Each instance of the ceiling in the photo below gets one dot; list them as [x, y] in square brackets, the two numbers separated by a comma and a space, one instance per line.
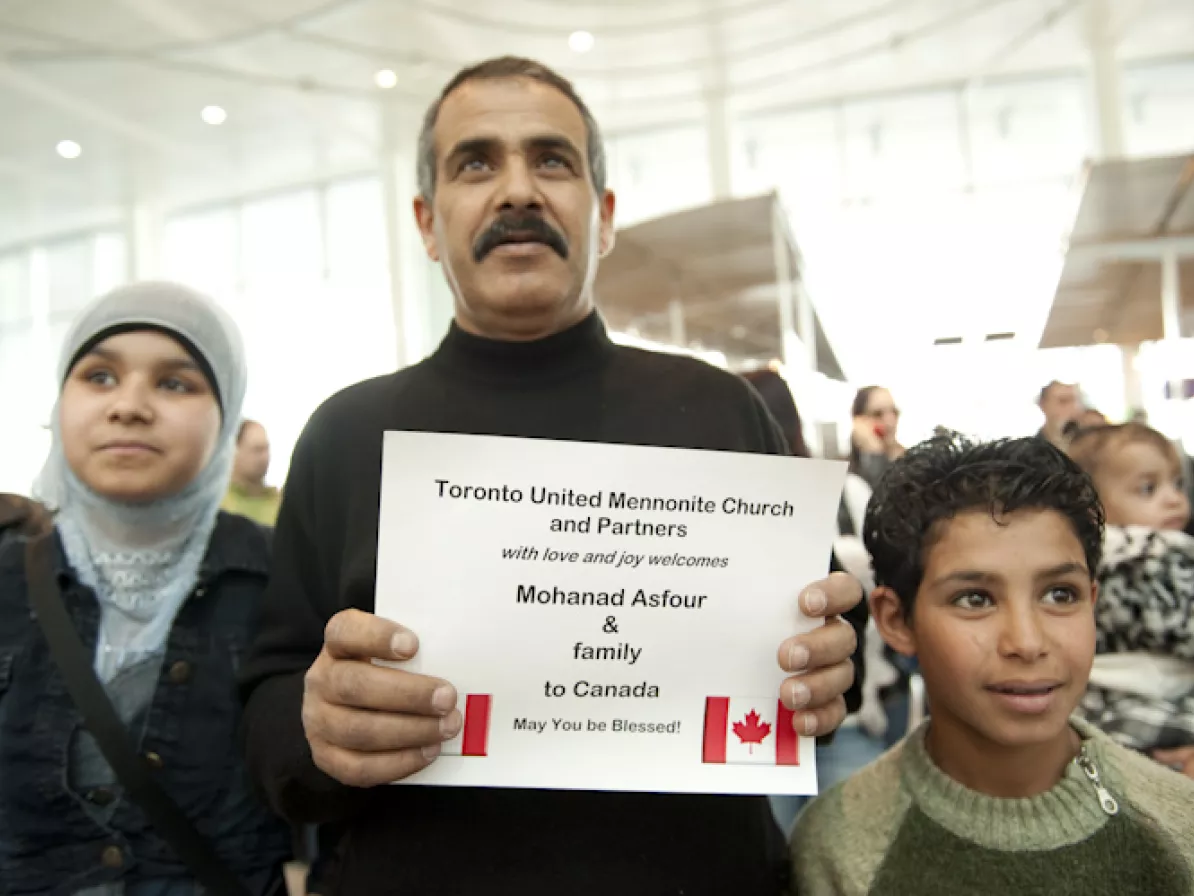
[126, 78]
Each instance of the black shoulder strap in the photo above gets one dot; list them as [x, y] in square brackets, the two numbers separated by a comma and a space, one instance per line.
[101, 719]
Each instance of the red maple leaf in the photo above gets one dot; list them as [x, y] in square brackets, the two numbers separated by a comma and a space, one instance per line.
[751, 731]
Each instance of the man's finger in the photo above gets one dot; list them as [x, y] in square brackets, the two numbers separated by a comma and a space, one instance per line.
[363, 685]
[371, 769]
[827, 645]
[817, 689]
[352, 634]
[360, 731]
[820, 722]
[833, 596]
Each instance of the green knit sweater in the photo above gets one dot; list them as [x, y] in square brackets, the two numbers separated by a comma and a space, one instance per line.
[901, 827]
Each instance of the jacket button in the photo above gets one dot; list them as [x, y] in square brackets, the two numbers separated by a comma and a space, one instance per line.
[100, 796]
[112, 857]
[180, 672]
[155, 761]
[199, 592]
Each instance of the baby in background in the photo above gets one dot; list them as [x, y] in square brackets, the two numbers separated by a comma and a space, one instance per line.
[984, 558]
[1142, 684]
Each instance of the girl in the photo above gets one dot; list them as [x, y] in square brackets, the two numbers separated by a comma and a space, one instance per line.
[1142, 685]
[161, 589]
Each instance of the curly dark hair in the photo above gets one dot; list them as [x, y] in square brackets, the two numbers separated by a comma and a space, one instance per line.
[950, 474]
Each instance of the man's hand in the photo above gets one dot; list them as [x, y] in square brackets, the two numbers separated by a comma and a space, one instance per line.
[1180, 758]
[368, 724]
[820, 660]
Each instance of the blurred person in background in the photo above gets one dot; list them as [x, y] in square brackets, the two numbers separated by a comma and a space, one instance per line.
[776, 394]
[1142, 685]
[873, 442]
[513, 204]
[247, 493]
[158, 594]
[1061, 403]
[860, 740]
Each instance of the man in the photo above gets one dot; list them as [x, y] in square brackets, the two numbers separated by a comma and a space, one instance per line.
[248, 494]
[513, 205]
[1061, 403]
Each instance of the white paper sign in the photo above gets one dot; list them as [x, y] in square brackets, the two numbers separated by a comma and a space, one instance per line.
[610, 615]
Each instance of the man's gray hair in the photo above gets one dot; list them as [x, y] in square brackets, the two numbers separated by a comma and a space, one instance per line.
[496, 69]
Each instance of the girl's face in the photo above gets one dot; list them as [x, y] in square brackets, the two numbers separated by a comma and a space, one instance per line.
[1140, 485]
[139, 420]
[883, 414]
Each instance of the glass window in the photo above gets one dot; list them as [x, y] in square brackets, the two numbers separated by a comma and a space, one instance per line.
[70, 266]
[14, 288]
[201, 250]
[659, 172]
[356, 232]
[902, 146]
[1159, 109]
[281, 239]
[1028, 132]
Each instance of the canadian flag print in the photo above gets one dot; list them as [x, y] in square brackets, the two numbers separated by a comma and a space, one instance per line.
[749, 731]
[473, 739]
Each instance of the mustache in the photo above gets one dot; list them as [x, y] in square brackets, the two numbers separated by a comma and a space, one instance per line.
[525, 226]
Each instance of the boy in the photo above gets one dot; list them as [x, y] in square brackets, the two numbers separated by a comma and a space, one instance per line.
[1142, 685]
[983, 558]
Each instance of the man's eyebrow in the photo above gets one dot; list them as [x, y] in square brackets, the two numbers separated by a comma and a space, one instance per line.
[472, 146]
[488, 145]
[552, 141]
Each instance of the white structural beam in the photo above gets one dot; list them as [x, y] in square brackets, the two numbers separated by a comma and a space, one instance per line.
[1153, 249]
[785, 292]
[717, 139]
[1105, 88]
[144, 232]
[717, 117]
[1171, 321]
[408, 266]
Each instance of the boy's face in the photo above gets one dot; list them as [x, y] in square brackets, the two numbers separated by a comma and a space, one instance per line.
[1140, 485]
[1003, 627]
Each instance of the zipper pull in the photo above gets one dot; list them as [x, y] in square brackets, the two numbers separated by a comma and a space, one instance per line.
[1106, 800]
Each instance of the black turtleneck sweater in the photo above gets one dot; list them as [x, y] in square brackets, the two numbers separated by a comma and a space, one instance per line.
[576, 385]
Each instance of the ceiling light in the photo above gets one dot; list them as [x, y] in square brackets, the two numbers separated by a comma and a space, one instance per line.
[385, 79]
[69, 149]
[214, 114]
[581, 41]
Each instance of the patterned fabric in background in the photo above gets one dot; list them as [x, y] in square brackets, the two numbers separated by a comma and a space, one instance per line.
[1142, 686]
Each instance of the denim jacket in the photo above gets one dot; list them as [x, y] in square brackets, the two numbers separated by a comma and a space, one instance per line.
[60, 834]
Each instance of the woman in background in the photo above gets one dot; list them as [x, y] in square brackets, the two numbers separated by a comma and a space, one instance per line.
[873, 443]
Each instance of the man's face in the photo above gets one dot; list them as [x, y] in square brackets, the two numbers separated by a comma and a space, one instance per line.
[1003, 627]
[1060, 405]
[515, 220]
[252, 454]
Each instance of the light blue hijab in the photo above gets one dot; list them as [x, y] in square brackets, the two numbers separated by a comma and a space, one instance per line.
[142, 560]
